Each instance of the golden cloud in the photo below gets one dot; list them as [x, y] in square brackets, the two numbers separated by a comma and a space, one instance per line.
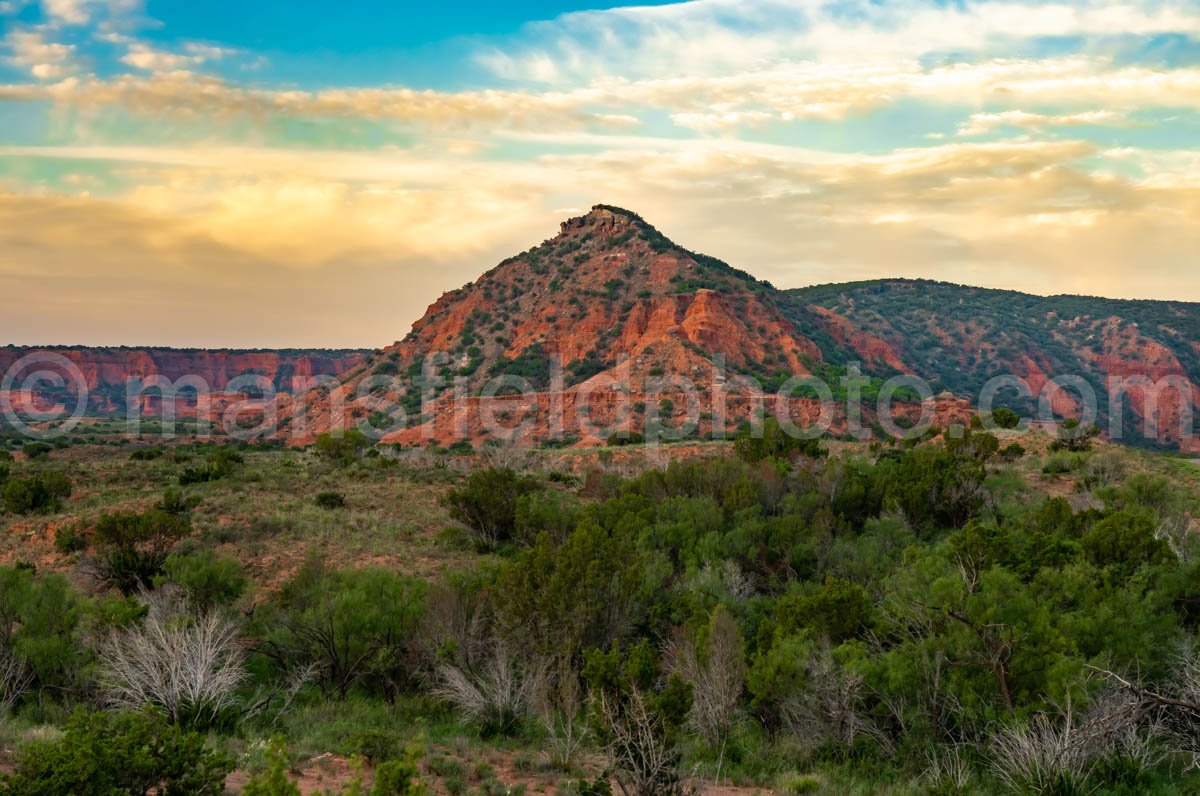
[239, 227]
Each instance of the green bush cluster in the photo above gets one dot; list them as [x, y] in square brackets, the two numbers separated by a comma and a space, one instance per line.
[329, 499]
[351, 626]
[342, 448]
[39, 493]
[488, 503]
[101, 755]
[132, 547]
[210, 581]
[218, 465]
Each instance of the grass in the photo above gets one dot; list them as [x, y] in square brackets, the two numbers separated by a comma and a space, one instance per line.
[264, 513]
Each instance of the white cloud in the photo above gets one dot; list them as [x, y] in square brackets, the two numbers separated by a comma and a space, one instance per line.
[1082, 90]
[45, 60]
[72, 12]
[709, 37]
[208, 52]
[141, 56]
[82, 12]
[175, 94]
[985, 123]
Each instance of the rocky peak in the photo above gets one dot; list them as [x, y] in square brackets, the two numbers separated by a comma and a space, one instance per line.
[612, 299]
[602, 218]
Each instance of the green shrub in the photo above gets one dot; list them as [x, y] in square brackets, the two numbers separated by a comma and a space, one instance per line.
[839, 610]
[36, 450]
[69, 539]
[199, 475]
[442, 766]
[342, 448]
[330, 500]
[398, 778]
[103, 755]
[774, 443]
[640, 716]
[1012, 453]
[460, 447]
[1072, 436]
[146, 454]
[40, 618]
[376, 746]
[1059, 465]
[583, 593]
[176, 503]
[532, 364]
[41, 493]
[944, 487]
[132, 547]
[625, 438]
[1005, 418]
[487, 504]
[274, 781]
[210, 581]
[1125, 541]
[219, 465]
[353, 624]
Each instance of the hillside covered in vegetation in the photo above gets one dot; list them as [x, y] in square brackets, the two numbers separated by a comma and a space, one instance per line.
[974, 615]
[957, 338]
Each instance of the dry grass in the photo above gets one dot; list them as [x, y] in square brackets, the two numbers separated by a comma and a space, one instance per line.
[264, 514]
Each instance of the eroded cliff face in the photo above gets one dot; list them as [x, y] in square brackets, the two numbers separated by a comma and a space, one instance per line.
[108, 372]
[608, 286]
[1140, 358]
[875, 352]
[607, 306]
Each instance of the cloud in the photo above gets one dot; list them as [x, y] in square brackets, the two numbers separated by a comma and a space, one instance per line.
[708, 37]
[782, 94]
[45, 60]
[984, 123]
[310, 209]
[140, 56]
[187, 95]
[150, 59]
[209, 52]
[72, 12]
[1019, 214]
[113, 273]
[82, 12]
[837, 90]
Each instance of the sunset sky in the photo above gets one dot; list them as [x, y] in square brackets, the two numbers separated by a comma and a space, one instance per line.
[270, 173]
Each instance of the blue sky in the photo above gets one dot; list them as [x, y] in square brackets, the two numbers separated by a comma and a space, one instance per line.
[299, 174]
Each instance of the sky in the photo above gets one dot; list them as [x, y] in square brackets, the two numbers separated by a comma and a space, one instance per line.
[302, 174]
